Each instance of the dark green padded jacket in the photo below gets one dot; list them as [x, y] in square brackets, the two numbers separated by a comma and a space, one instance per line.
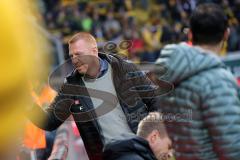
[202, 113]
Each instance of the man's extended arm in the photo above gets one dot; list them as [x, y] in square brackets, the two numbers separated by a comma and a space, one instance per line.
[53, 116]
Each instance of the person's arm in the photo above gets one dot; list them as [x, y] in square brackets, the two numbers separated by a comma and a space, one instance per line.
[221, 114]
[53, 116]
[61, 143]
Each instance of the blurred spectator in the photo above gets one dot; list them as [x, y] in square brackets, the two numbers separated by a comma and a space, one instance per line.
[137, 47]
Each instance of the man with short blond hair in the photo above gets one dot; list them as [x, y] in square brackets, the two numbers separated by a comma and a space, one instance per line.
[97, 93]
[83, 36]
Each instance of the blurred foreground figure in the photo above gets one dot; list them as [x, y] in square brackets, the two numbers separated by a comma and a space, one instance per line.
[204, 86]
[21, 48]
[151, 142]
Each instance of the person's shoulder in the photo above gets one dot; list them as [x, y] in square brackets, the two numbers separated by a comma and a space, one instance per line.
[222, 75]
[119, 58]
[216, 81]
[123, 63]
[133, 144]
[117, 148]
[126, 143]
[171, 51]
[178, 46]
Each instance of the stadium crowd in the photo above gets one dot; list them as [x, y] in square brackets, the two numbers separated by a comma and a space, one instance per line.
[148, 24]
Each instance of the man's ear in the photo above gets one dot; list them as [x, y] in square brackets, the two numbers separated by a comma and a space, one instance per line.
[226, 34]
[190, 35]
[153, 136]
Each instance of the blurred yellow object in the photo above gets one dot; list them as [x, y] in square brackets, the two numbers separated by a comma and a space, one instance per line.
[22, 59]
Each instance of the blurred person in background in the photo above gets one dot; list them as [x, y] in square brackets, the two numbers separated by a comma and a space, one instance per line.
[61, 144]
[204, 86]
[151, 142]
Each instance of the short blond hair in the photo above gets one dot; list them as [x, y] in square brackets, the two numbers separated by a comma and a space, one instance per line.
[153, 121]
[83, 36]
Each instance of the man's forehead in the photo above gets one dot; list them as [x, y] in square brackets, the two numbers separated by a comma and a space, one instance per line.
[80, 46]
[79, 43]
[77, 47]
